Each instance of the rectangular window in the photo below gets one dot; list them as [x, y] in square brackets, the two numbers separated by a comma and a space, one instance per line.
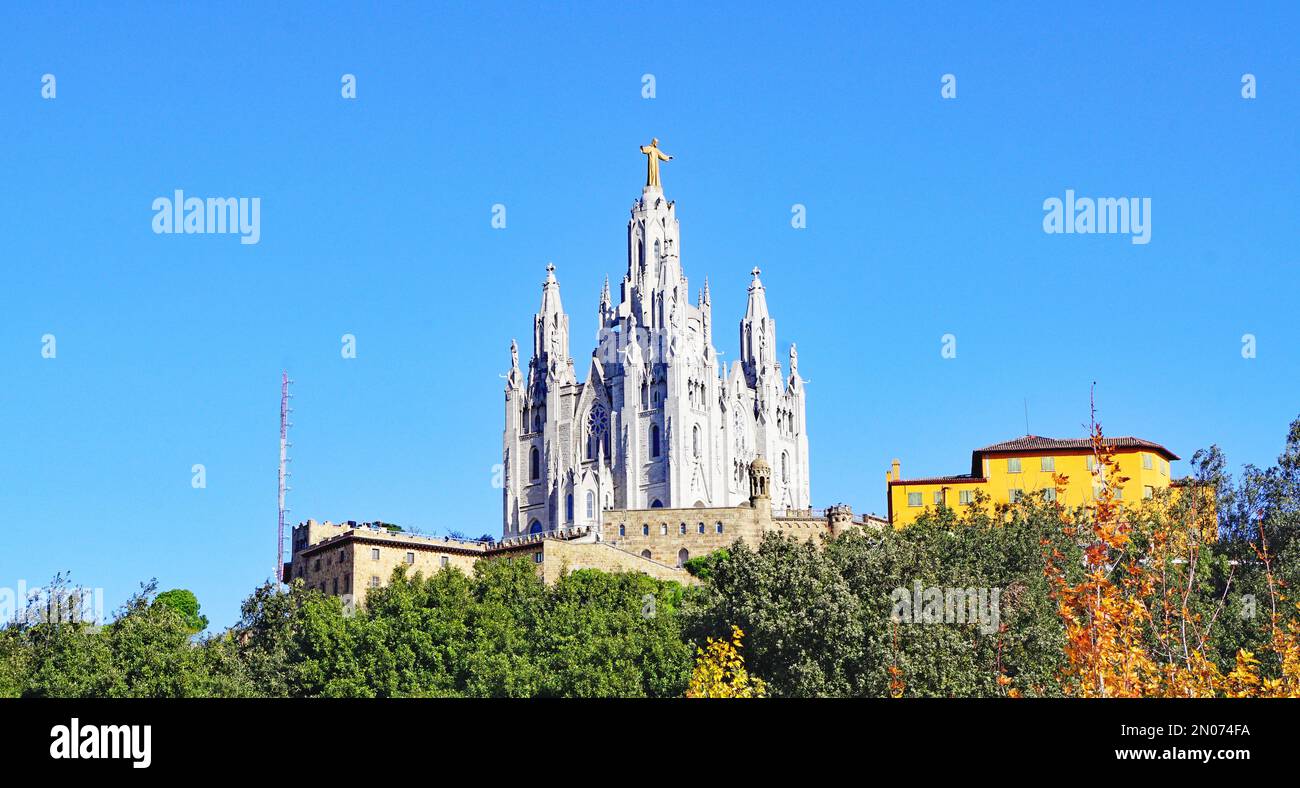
[1146, 461]
[1092, 463]
[1164, 468]
[1047, 464]
[347, 583]
[1049, 494]
[1119, 493]
[913, 499]
[374, 581]
[1013, 495]
[537, 557]
[374, 553]
[1013, 465]
[938, 497]
[410, 558]
[444, 561]
[1148, 491]
[336, 585]
[966, 497]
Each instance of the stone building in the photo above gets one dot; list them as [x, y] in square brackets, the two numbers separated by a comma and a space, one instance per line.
[349, 559]
[659, 420]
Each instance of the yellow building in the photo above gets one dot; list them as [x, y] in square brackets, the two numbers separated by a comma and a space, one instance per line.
[1025, 466]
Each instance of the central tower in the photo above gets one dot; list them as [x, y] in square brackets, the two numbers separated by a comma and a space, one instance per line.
[657, 422]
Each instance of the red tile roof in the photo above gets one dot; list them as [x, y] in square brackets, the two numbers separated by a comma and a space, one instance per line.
[1039, 443]
[967, 478]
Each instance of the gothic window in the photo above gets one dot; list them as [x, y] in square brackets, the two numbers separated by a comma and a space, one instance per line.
[597, 430]
[701, 527]
[658, 249]
[591, 506]
[535, 528]
[683, 555]
[785, 467]
[695, 439]
[658, 504]
[534, 465]
[568, 508]
[654, 440]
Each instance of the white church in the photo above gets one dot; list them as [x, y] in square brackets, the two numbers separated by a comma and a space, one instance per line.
[658, 421]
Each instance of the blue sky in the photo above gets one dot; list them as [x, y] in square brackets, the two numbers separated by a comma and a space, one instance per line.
[924, 218]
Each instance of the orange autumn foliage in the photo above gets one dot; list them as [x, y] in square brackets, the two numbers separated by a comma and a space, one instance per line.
[1129, 629]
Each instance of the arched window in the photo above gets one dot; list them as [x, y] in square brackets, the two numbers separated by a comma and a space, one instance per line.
[535, 528]
[591, 505]
[568, 508]
[654, 440]
[683, 555]
[622, 529]
[663, 529]
[645, 554]
[719, 527]
[695, 439]
[785, 467]
[597, 430]
[682, 529]
[701, 527]
[645, 529]
[534, 465]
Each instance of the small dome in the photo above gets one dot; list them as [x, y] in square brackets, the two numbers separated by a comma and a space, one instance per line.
[759, 464]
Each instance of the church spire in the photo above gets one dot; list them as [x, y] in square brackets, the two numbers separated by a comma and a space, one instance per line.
[551, 324]
[757, 333]
[757, 306]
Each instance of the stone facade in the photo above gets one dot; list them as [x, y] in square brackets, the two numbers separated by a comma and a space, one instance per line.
[348, 559]
[660, 421]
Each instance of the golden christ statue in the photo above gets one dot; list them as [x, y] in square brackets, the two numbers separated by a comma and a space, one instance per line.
[652, 158]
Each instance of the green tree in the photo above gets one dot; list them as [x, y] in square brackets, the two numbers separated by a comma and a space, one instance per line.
[186, 604]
